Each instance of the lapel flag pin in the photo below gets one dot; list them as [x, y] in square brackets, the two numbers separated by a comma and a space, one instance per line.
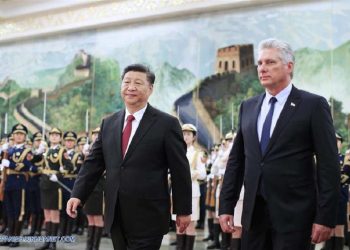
[292, 104]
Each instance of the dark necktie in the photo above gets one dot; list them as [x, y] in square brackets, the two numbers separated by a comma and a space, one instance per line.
[265, 135]
[127, 133]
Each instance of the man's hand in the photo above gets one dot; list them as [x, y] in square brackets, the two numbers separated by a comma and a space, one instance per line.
[320, 233]
[72, 206]
[182, 222]
[226, 223]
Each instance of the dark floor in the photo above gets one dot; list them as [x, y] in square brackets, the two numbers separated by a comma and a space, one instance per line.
[106, 243]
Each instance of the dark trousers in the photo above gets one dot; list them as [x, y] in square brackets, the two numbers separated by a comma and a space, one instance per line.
[34, 206]
[14, 207]
[203, 191]
[124, 241]
[262, 236]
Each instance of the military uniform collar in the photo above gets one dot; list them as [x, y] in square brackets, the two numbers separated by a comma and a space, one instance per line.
[69, 151]
[55, 147]
[17, 146]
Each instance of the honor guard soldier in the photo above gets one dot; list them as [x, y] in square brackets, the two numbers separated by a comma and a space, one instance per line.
[218, 170]
[83, 148]
[214, 172]
[203, 191]
[36, 213]
[11, 140]
[16, 168]
[185, 240]
[3, 217]
[210, 196]
[57, 162]
[70, 139]
[336, 242]
[221, 163]
[94, 209]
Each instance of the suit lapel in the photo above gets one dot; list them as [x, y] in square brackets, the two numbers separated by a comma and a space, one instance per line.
[287, 112]
[255, 117]
[145, 124]
[117, 134]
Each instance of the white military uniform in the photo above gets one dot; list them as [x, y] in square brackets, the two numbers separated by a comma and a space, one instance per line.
[198, 172]
[220, 167]
[219, 170]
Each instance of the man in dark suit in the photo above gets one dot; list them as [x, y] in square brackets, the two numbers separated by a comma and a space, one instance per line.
[137, 146]
[290, 199]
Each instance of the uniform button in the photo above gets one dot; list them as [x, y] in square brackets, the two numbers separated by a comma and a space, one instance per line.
[261, 164]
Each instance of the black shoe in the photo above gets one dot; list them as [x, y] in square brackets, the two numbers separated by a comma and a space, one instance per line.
[80, 231]
[174, 243]
[214, 246]
[52, 246]
[3, 229]
[209, 238]
[14, 244]
[216, 243]
[210, 230]
[44, 247]
[105, 235]
[200, 226]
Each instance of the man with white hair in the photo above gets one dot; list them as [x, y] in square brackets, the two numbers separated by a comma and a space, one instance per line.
[290, 199]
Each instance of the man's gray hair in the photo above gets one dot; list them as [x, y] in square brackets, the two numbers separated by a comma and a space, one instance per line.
[286, 52]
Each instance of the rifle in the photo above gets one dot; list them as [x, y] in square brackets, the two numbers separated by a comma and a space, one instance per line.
[3, 177]
[4, 172]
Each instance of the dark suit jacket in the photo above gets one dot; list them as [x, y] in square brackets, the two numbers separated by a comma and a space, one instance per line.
[139, 181]
[294, 198]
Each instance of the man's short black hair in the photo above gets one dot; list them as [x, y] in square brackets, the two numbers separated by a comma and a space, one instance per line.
[140, 68]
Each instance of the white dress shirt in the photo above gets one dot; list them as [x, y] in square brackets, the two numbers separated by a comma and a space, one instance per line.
[265, 107]
[135, 123]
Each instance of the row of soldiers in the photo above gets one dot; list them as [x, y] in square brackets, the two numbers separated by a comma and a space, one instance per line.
[209, 171]
[216, 169]
[37, 179]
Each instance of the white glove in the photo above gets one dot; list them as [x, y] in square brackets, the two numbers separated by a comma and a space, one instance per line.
[41, 149]
[61, 169]
[5, 163]
[53, 178]
[86, 149]
[5, 146]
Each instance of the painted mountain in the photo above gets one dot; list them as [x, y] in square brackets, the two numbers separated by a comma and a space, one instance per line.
[325, 72]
